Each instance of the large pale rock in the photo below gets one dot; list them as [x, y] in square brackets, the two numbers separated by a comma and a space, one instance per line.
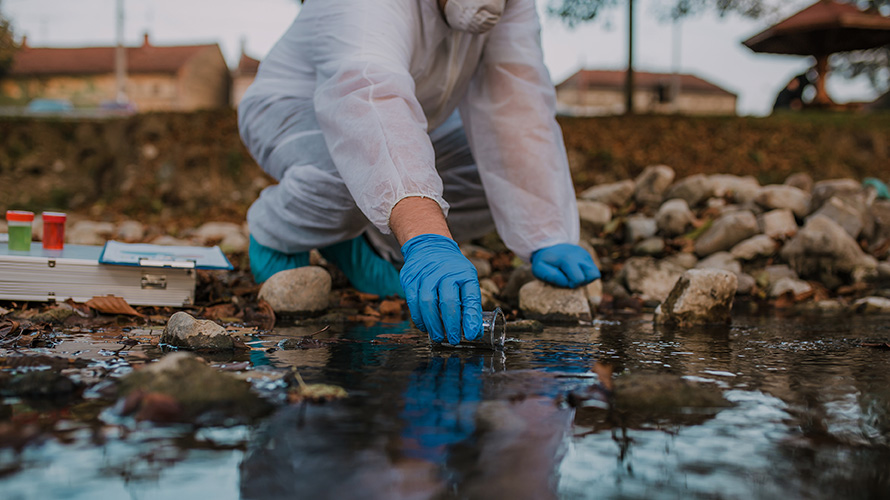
[674, 217]
[754, 248]
[130, 231]
[825, 190]
[822, 248]
[87, 232]
[616, 194]
[789, 285]
[778, 224]
[849, 215]
[720, 260]
[725, 232]
[700, 297]
[594, 215]
[215, 232]
[301, 290]
[800, 180]
[871, 305]
[544, 302]
[693, 189]
[651, 184]
[777, 196]
[650, 278]
[733, 187]
[185, 331]
[639, 227]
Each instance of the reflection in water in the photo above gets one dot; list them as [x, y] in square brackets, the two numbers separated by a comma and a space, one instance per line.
[810, 418]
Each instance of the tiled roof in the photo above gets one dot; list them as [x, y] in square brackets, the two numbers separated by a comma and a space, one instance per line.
[606, 79]
[247, 65]
[33, 61]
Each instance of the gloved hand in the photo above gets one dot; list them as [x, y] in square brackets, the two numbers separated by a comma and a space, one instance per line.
[441, 288]
[565, 265]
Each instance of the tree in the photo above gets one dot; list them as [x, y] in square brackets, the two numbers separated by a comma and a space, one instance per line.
[8, 46]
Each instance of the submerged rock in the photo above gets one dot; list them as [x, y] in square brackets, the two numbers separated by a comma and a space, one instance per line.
[651, 184]
[701, 296]
[661, 392]
[185, 331]
[544, 302]
[180, 388]
[36, 384]
[871, 305]
[301, 290]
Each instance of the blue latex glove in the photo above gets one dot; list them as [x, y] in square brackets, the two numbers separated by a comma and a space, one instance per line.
[441, 288]
[565, 265]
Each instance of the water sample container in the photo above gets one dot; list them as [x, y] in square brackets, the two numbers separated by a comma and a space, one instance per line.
[19, 222]
[494, 331]
[53, 230]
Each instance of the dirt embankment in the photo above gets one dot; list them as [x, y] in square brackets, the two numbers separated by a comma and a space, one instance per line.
[193, 165]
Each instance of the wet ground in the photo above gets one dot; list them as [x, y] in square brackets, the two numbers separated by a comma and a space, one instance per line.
[804, 413]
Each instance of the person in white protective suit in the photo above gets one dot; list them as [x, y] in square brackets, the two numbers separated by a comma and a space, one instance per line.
[395, 128]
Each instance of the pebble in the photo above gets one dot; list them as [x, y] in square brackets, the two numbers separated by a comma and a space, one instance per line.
[186, 332]
[301, 290]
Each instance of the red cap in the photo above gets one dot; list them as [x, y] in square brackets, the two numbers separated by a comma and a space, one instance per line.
[19, 216]
[54, 217]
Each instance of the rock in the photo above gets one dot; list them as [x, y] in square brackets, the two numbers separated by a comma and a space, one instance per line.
[884, 272]
[651, 184]
[594, 215]
[800, 180]
[301, 290]
[789, 285]
[524, 325]
[594, 293]
[825, 190]
[720, 260]
[650, 246]
[778, 224]
[234, 243]
[616, 194]
[746, 284]
[483, 266]
[519, 277]
[725, 232]
[179, 388]
[490, 292]
[211, 233]
[777, 196]
[693, 189]
[638, 227]
[755, 247]
[130, 231]
[87, 232]
[185, 331]
[685, 260]
[674, 217]
[37, 384]
[820, 307]
[850, 216]
[700, 297]
[769, 275]
[733, 187]
[540, 301]
[880, 212]
[657, 393]
[650, 278]
[871, 305]
[822, 248]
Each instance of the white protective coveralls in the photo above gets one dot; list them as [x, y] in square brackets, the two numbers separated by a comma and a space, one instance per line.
[341, 111]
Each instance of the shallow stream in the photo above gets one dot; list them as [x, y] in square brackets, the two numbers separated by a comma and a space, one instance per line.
[809, 417]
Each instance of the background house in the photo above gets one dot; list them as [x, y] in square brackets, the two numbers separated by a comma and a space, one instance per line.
[243, 76]
[169, 78]
[600, 92]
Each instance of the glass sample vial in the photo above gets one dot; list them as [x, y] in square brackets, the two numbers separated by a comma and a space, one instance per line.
[494, 331]
[19, 222]
[53, 230]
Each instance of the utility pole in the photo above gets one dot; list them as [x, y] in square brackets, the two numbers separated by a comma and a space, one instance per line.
[120, 57]
[629, 81]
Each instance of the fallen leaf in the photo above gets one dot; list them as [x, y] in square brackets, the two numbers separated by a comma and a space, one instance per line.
[876, 345]
[111, 304]
[8, 326]
[314, 393]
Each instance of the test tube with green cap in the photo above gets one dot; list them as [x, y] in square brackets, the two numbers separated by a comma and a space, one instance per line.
[19, 222]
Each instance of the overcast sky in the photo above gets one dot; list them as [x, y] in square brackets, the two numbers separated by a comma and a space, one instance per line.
[710, 47]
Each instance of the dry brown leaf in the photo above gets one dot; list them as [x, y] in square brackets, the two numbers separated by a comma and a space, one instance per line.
[111, 304]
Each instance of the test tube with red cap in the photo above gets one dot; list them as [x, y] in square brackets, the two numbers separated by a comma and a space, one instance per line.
[54, 230]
